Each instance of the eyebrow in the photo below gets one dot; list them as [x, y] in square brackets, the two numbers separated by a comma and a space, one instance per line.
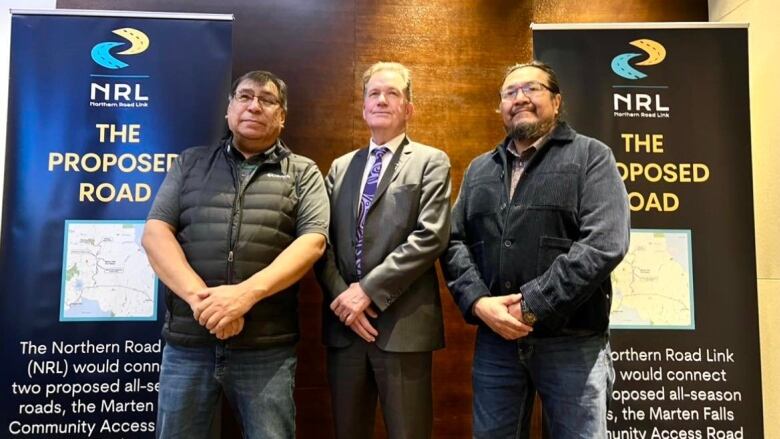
[388, 88]
[519, 84]
[251, 90]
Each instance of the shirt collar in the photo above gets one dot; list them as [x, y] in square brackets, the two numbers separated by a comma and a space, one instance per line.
[392, 144]
[561, 133]
[528, 152]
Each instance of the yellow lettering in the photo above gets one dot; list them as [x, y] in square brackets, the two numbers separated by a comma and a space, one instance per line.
[668, 172]
[107, 192]
[666, 202]
[55, 158]
[649, 143]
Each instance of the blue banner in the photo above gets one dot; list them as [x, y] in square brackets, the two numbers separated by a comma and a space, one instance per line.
[98, 109]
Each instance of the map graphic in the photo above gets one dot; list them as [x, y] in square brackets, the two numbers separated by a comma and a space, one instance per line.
[105, 273]
[653, 286]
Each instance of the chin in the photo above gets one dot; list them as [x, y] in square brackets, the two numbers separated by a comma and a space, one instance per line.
[253, 134]
[525, 118]
[528, 129]
[381, 126]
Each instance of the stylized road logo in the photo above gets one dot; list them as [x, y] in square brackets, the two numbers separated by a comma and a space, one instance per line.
[101, 53]
[655, 54]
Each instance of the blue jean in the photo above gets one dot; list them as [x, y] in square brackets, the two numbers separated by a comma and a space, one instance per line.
[258, 383]
[573, 375]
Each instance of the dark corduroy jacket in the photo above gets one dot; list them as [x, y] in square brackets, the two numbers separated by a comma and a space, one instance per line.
[556, 241]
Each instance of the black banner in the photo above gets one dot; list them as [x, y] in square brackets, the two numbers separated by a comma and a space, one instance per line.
[673, 105]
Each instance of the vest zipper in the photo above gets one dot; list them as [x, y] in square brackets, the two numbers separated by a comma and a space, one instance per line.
[231, 243]
[238, 201]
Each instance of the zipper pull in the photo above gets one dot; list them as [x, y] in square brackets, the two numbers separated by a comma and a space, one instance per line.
[230, 256]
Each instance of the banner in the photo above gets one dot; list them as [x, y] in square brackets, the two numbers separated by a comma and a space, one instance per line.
[672, 102]
[99, 107]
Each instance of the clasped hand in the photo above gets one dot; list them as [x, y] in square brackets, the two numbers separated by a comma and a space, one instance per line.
[503, 315]
[221, 309]
[351, 307]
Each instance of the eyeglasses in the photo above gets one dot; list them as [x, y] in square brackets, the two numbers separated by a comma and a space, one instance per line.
[531, 90]
[246, 98]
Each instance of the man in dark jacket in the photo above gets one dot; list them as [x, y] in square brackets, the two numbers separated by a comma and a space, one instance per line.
[539, 224]
[231, 231]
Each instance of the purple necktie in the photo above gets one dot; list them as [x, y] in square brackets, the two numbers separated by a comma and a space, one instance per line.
[365, 202]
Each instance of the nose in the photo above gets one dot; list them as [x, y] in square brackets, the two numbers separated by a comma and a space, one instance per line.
[255, 105]
[520, 96]
[382, 98]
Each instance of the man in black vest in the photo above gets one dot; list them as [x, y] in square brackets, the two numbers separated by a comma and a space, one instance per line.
[232, 230]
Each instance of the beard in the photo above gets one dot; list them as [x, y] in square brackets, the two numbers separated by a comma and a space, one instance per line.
[523, 131]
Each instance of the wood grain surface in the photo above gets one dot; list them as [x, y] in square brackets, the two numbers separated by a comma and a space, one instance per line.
[457, 51]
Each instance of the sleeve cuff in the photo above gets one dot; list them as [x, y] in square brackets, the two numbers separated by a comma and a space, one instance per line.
[466, 304]
[538, 304]
[381, 297]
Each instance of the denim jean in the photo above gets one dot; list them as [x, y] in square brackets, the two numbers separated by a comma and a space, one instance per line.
[258, 383]
[572, 374]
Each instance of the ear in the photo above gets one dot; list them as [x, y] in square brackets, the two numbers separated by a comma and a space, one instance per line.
[282, 117]
[409, 110]
[557, 100]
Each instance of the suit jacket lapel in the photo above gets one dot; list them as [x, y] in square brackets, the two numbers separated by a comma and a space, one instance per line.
[393, 169]
[351, 185]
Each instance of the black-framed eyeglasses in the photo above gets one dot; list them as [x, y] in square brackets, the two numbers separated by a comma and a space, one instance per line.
[246, 98]
[531, 90]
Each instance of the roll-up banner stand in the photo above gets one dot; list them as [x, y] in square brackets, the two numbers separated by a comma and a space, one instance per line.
[671, 99]
[100, 103]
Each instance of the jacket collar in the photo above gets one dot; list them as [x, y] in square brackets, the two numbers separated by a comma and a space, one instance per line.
[357, 166]
[562, 133]
[274, 154]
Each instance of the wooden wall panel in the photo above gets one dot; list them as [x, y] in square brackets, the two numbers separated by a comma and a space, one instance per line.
[458, 51]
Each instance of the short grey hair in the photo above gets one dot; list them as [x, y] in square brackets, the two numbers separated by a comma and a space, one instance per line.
[402, 70]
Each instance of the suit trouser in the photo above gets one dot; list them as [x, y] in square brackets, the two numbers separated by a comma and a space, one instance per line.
[358, 373]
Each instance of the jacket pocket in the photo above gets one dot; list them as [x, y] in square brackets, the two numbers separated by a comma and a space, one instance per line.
[552, 190]
[403, 205]
[550, 247]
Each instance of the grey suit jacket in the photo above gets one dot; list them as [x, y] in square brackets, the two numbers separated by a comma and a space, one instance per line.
[407, 228]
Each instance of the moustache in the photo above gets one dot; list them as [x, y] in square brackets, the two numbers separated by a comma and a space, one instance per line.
[515, 111]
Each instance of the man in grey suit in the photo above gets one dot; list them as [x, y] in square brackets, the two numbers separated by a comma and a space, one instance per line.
[382, 312]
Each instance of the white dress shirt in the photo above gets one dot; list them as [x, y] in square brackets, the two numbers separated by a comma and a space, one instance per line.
[392, 145]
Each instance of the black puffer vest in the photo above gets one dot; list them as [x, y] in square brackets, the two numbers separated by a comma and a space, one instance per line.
[211, 198]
